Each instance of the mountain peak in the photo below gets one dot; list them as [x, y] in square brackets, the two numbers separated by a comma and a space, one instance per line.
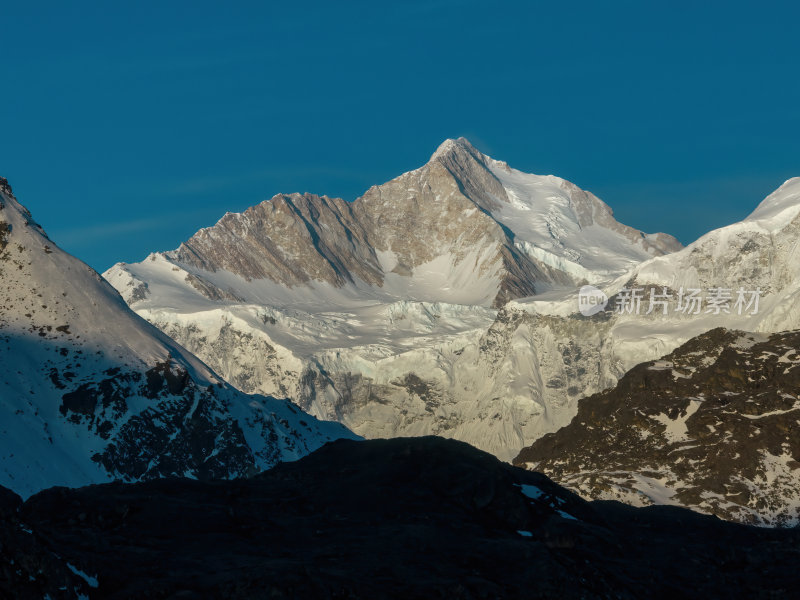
[451, 145]
[780, 207]
[462, 228]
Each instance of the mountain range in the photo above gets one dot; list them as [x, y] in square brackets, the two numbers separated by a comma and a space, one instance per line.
[385, 313]
[443, 302]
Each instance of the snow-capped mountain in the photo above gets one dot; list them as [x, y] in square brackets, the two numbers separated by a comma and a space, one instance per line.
[89, 391]
[712, 426]
[462, 229]
[381, 313]
[762, 252]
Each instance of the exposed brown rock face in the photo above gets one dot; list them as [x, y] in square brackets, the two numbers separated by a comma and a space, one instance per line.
[290, 239]
[712, 426]
[443, 208]
[296, 238]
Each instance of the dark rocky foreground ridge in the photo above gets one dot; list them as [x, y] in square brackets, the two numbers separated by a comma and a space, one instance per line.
[401, 518]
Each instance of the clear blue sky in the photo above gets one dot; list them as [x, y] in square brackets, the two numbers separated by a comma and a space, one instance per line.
[125, 129]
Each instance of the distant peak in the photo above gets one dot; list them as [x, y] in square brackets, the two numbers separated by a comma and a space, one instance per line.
[781, 206]
[453, 145]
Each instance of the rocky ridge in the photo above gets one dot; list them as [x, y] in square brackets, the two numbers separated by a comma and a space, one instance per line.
[711, 426]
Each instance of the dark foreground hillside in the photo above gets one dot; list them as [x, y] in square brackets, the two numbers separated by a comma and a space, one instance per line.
[403, 518]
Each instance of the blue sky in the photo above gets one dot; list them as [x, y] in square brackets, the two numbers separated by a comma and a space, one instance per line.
[127, 128]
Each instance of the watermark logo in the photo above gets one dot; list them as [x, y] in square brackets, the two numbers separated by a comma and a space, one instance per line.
[591, 300]
[689, 301]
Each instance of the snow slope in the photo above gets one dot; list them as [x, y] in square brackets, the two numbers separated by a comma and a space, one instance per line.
[89, 391]
[570, 229]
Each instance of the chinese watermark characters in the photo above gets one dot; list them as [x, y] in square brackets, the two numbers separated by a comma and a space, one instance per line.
[688, 301]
